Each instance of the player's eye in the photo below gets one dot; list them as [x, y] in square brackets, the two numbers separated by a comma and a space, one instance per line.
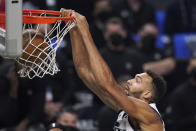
[138, 80]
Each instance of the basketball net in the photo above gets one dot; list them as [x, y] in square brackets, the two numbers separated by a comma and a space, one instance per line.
[53, 38]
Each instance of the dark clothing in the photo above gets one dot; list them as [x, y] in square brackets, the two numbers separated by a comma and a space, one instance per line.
[124, 63]
[8, 111]
[29, 103]
[181, 17]
[106, 118]
[97, 35]
[183, 108]
[31, 99]
[9, 106]
[135, 20]
[152, 56]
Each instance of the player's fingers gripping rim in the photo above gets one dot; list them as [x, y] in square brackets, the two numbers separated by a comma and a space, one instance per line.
[66, 12]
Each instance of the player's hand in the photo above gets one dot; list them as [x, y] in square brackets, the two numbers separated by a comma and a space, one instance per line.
[81, 22]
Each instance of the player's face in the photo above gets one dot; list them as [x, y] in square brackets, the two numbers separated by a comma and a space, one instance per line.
[138, 85]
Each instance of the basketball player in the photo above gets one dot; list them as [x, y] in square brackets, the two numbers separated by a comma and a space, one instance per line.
[133, 99]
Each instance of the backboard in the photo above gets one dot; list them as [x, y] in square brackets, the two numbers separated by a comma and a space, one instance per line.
[10, 28]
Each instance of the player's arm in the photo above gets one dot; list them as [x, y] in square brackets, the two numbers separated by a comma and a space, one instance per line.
[82, 65]
[104, 79]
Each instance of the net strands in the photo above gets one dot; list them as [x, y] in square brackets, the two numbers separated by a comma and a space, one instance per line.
[53, 39]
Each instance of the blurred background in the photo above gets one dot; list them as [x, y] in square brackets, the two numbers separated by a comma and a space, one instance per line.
[133, 36]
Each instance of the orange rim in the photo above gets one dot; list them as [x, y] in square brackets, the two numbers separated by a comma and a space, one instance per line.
[32, 17]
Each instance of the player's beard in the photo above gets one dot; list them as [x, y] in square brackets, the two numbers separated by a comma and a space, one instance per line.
[136, 94]
[125, 87]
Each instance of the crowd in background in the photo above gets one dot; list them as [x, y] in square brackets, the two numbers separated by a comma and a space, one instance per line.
[126, 33]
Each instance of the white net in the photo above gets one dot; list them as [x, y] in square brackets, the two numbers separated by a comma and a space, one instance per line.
[40, 45]
[2, 40]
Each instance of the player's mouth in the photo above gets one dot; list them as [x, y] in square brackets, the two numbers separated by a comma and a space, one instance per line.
[126, 88]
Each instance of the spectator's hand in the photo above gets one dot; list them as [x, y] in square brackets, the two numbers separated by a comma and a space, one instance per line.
[52, 109]
[22, 125]
[162, 67]
[13, 79]
[192, 64]
[12, 76]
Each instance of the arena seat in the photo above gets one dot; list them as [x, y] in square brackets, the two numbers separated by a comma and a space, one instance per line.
[183, 43]
[160, 19]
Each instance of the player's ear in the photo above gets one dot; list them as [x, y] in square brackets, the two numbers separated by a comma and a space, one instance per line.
[147, 95]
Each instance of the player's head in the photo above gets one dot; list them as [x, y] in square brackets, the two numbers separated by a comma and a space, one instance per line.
[67, 117]
[146, 86]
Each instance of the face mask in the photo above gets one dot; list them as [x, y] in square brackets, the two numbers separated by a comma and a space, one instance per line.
[116, 39]
[193, 73]
[148, 43]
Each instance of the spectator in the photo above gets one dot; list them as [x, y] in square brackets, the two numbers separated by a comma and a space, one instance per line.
[102, 11]
[147, 43]
[58, 127]
[180, 17]
[182, 107]
[31, 100]
[117, 54]
[106, 119]
[8, 95]
[67, 117]
[22, 99]
[136, 13]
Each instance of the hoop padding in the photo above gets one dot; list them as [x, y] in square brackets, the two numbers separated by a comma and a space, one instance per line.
[40, 59]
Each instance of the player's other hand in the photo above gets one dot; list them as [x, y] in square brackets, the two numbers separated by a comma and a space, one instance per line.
[81, 22]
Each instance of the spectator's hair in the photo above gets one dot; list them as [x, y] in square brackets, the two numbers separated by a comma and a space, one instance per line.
[96, 1]
[67, 110]
[114, 20]
[159, 86]
[150, 23]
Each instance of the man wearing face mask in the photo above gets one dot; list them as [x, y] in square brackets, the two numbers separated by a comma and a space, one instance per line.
[147, 44]
[182, 106]
[117, 54]
[102, 11]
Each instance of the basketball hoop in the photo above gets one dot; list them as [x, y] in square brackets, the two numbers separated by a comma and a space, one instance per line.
[39, 60]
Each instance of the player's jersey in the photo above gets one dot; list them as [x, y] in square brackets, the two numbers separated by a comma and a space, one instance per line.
[122, 123]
